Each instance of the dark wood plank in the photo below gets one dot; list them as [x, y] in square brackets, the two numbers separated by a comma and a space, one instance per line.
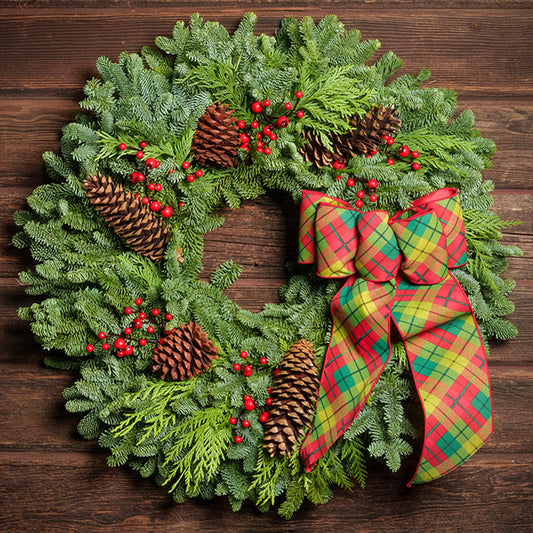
[77, 492]
[32, 125]
[449, 45]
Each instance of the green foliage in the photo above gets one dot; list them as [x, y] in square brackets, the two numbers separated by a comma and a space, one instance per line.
[178, 432]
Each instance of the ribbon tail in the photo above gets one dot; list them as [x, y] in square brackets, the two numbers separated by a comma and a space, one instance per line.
[449, 366]
[358, 352]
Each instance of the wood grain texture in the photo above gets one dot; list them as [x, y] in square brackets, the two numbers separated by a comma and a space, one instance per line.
[51, 479]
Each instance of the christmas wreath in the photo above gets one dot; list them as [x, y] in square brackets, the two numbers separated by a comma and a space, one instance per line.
[177, 380]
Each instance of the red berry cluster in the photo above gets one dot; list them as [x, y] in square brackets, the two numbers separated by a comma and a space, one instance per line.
[249, 404]
[135, 333]
[193, 175]
[404, 151]
[139, 177]
[261, 130]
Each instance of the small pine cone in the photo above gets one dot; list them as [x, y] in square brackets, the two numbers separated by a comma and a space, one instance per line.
[145, 233]
[184, 353]
[216, 139]
[313, 151]
[367, 132]
[294, 396]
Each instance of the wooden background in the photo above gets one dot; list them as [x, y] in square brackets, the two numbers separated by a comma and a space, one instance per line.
[52, 480]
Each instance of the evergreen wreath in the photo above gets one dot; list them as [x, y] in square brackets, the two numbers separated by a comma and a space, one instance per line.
[176, 379]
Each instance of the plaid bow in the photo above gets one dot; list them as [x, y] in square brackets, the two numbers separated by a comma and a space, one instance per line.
[398, 272]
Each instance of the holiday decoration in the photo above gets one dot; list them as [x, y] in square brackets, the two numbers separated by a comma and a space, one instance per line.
[215, 141]
[397, 272]
[145, 233]
[177, 380]
[294, 395]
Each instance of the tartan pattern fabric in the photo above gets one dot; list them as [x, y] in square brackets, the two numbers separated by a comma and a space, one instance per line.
[397, 271]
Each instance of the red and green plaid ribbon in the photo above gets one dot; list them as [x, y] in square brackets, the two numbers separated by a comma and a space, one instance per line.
[398, 272]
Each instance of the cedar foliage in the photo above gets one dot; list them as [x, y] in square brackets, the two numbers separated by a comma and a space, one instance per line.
[86, 275]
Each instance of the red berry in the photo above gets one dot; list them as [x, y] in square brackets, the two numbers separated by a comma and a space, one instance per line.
[338, 178]
[264, 417]
[259, 144]
[122, 146]
[373, 184]
[336, 165]
[105, 346]
[190, 178]
[158, 187]
[273, 136]
[414, 154]
[373, 198]
[139, 154]
[155, 312]
[360, 194]
[138, 301]
[151, 186]
[157, 163]
[89, 347]
[244, 147]
[150, 162]
[374, 151]
[416, 166]
[359, 204]
[249, 405]
[185, 165]
[120, 353]
[288, 106]
[247, 398]
[244, 354]
[267, 150]
[350, 182]
[263, 360]
[266, 103]
[101, 335]
[155, 206]
[269, 390]
[368, 156]
[244, 138]
[137, 195]
[245, 423]
[232, 420]
[142, 316]
[299, 94]
[128, 311]
[166, 211]
[238, 439]
[128, 350]
[150, 329]
[248, 369]
[390, 141]
[282, 122]
[254, 124]
[241, 124]
[269, 401]
[267, 130]
[140, 177]
[236, 367]
[145, 200]
[142, 342]
[135, 177]
[181, 204]
[127, 331]
[390, 162]
[143, 144]
[259, 149]
[199, 173]
[168, 316]
[300, 114]
[258, 136]
[137, 323]
[257, 107]
[119, 343]
[385, 137]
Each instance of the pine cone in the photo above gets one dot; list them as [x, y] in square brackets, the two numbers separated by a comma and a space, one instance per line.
[145, 233]
[294, 395]
[184, 353]
[367, 132]
[313, 151]
[216, 139]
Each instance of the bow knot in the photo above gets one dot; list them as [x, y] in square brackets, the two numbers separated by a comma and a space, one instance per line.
[398, 271]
